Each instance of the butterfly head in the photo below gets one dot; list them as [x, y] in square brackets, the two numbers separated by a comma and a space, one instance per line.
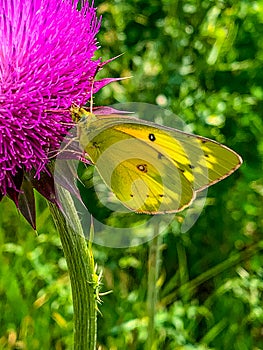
[79, 113]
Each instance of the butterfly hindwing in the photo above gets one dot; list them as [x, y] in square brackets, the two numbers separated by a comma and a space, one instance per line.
[141, 178]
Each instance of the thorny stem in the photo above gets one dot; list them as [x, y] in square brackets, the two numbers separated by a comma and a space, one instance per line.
[82, 274]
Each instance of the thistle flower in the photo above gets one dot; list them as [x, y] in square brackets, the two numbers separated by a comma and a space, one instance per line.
[46, 63]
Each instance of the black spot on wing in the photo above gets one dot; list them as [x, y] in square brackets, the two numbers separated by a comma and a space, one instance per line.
[142, 168]
[95, 145]
[151, 137]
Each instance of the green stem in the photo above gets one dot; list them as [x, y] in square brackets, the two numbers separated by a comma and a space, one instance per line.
[153, 273]
[82, 274]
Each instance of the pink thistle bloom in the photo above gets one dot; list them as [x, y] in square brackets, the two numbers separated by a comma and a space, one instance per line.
[46, 63]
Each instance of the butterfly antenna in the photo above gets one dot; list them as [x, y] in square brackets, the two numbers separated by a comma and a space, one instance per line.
[91, 95]
[92, 86]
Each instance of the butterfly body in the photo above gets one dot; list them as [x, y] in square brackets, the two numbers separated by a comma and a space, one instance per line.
[151, 168]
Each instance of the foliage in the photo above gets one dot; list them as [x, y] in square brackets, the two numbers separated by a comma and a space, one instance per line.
[202, 60]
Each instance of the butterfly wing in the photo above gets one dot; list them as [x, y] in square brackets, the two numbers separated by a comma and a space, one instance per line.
[202, 161]
[152, 168]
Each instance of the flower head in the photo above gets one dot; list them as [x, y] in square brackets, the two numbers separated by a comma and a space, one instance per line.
[46, 63]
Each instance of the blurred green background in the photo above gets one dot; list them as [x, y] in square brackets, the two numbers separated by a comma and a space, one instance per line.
[203, 61]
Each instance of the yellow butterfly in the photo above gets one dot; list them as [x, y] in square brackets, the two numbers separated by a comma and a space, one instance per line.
[150, 168]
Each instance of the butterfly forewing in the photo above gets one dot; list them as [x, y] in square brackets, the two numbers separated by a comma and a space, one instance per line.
[152, 168]
[202, 161]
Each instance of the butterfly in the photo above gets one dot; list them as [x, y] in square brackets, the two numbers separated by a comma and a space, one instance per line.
[150, 168]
